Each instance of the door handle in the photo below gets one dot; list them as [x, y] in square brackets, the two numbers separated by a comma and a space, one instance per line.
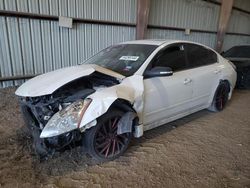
[187, 81]
[217, 71]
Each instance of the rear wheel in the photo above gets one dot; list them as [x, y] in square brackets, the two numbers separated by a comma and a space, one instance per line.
[102, 141]
[220, 97]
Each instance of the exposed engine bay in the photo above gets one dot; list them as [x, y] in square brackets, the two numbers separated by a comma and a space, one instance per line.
[39, 110]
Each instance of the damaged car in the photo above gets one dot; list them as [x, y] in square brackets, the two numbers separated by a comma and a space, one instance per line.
[121, 92]
[240, 56]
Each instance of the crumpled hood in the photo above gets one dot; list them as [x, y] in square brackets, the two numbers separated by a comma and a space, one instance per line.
[47, 83]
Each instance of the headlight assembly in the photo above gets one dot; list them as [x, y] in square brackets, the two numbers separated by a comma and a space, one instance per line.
[66, 120]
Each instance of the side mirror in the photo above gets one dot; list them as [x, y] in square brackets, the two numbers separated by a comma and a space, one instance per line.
[158, 72]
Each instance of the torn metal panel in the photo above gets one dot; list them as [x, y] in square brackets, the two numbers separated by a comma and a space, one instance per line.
[131, 90]
[105, 71]
[126, 122]
[138, 132]
[136, 82]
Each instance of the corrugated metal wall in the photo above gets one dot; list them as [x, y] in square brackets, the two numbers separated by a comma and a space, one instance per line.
[184, 13]
[30, 46]
[232, 40]
[200, 15]
[190, 14]
[208, 39]
[242, 4]
[239, 23]
[112, 10]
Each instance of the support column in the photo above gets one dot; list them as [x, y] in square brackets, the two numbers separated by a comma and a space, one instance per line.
[225, 13]
[142, 18]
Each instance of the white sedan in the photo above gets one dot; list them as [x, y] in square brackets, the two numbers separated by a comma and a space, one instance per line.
[121, 92]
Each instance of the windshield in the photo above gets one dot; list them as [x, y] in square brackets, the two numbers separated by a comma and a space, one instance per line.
[238, 51]
[124, 58]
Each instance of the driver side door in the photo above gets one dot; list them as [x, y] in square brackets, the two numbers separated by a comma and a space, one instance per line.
[167, 97]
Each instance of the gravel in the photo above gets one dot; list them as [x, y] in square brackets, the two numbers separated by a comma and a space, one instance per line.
[202, 150]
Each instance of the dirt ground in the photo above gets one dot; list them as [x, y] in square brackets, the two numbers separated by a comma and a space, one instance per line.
[202, 150]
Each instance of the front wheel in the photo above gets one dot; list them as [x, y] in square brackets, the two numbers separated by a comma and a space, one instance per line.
[220, 97]
[102, 141]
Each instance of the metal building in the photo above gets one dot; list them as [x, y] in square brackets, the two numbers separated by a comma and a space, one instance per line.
[32, 42]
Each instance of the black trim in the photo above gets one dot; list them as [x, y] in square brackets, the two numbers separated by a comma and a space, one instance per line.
[241, 10]
[192, 30]
[239, 34]
[179, 29]
[56, 18]
[212, 2]
[219, 4]
[10, 78]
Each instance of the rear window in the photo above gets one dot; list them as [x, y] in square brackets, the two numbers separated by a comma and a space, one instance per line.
[199, 56]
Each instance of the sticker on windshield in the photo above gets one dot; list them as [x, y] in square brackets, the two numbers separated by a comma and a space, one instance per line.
[129, 58]
[127, 68]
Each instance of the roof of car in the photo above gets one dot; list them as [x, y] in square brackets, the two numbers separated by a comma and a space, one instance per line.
[157, 42]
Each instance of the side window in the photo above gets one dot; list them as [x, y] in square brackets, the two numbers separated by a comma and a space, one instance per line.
[199, 56]
[173, 57]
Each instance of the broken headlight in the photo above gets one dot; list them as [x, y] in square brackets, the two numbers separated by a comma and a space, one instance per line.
[66, 120]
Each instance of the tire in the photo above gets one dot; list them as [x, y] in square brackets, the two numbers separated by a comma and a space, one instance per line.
[220, 97]
[243, 79]
[102, 142]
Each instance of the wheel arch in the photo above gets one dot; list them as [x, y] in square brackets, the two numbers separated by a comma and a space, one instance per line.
[130, 118]
[123, 105]
[212, 107]
[127, 96]
[229, 85]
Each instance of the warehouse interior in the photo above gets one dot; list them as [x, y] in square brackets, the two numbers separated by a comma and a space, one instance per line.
[201, 150]
[32, 41]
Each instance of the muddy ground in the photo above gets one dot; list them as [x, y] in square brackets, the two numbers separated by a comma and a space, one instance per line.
[202, 150]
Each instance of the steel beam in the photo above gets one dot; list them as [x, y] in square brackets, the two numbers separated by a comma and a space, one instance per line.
[142, 18]
[225, 13]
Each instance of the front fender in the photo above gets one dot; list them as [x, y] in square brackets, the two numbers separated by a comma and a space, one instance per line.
[131, 90]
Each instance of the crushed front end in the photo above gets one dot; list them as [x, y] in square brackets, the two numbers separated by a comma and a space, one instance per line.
[53, 119]
[37, 112]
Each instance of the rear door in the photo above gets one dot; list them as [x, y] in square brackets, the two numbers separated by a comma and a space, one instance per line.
[205, 73]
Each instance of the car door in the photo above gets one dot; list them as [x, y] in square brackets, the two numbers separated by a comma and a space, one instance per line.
[205, 74]
[167, 97]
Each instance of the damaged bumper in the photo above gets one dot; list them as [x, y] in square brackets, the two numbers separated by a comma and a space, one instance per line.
[45, 146]
[57, 120]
